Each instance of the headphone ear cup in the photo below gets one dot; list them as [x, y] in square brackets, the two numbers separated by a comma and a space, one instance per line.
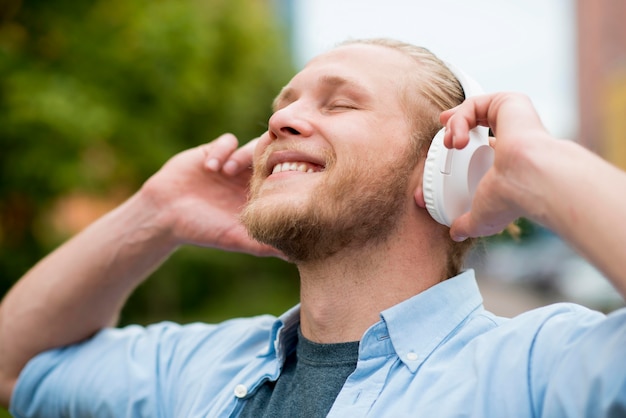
[452, 175]
[431, 176]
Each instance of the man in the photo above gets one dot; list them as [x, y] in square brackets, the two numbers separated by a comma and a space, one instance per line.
[382, 329]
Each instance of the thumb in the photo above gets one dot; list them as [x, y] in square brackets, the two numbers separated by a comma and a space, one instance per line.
[461, 227]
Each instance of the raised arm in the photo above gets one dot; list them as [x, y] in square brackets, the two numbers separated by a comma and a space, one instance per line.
[556, 183]
[81, 287]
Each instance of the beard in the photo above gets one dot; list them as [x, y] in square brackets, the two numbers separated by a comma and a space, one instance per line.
[353, 207]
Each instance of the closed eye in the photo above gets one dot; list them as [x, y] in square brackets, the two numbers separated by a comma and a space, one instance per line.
[342, 105]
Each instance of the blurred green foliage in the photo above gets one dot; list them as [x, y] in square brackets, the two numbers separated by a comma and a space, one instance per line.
[95, 95]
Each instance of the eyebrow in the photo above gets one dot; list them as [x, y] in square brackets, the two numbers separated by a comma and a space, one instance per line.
[287, 94]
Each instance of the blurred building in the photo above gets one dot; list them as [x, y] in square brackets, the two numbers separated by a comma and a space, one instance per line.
[544, 269]
[602, 77]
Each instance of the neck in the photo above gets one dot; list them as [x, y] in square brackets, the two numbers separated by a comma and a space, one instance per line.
[343, 296]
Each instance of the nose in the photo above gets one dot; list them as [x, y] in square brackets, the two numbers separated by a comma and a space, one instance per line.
[291, 121]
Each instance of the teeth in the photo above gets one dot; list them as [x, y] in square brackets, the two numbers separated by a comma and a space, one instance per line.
[293, 166]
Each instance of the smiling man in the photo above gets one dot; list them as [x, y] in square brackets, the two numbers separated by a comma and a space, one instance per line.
[388, 324]
[323, 151]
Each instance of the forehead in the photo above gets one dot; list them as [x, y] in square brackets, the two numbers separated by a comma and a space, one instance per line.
[376, 68]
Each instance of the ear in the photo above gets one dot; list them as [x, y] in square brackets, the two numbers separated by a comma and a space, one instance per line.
[418, 192]
[417, 183]
[418, 195]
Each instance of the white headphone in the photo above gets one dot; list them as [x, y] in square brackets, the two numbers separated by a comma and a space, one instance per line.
[451, 175]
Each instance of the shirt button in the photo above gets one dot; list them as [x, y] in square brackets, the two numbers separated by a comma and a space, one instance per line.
[241, 391]
[412, 356]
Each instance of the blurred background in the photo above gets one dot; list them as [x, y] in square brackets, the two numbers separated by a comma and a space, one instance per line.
[96, 95]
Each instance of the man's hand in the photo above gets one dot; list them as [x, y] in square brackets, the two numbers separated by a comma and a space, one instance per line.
[556, 183]
[194, 199]
[200, 192]
[500, 197]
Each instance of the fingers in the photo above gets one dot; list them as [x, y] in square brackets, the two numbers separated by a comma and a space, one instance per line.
[459, 231]
[517, 126]
[458, 122]
[461, 119]
[223, 155]
[218, 151]
[504, 113]
[467, 226]
[241, 159]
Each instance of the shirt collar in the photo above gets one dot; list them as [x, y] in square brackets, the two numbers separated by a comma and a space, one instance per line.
[284, 334]
[415, 327]
[419, 324]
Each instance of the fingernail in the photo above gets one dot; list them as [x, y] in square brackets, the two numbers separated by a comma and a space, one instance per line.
[213, 164]
[459, 238]
[230, 167]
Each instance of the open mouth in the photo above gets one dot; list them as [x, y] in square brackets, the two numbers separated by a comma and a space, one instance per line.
[296, 161]
[301, 166]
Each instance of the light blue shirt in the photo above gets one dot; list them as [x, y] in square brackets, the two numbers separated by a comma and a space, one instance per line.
[438, 354]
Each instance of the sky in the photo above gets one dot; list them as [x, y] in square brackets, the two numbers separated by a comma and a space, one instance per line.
[514, 45]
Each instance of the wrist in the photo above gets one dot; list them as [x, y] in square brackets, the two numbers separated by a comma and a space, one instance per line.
[542, 179]
[526, 172]
[143, 221]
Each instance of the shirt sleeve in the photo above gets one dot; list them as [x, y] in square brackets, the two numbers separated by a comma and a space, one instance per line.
[578, 366]
[134, 371]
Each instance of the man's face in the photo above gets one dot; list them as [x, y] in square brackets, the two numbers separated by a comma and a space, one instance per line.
[332, 171]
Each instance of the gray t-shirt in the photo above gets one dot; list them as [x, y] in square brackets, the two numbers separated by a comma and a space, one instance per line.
[310, 381]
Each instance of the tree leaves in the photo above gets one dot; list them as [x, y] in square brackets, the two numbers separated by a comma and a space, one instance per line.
[96, 95]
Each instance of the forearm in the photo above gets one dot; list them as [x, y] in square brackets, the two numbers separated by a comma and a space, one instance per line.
[80, 287]
[583, 199]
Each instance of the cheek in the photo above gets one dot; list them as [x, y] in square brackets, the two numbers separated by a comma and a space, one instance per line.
[378, 139]
[367, 157]
[261, 147]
